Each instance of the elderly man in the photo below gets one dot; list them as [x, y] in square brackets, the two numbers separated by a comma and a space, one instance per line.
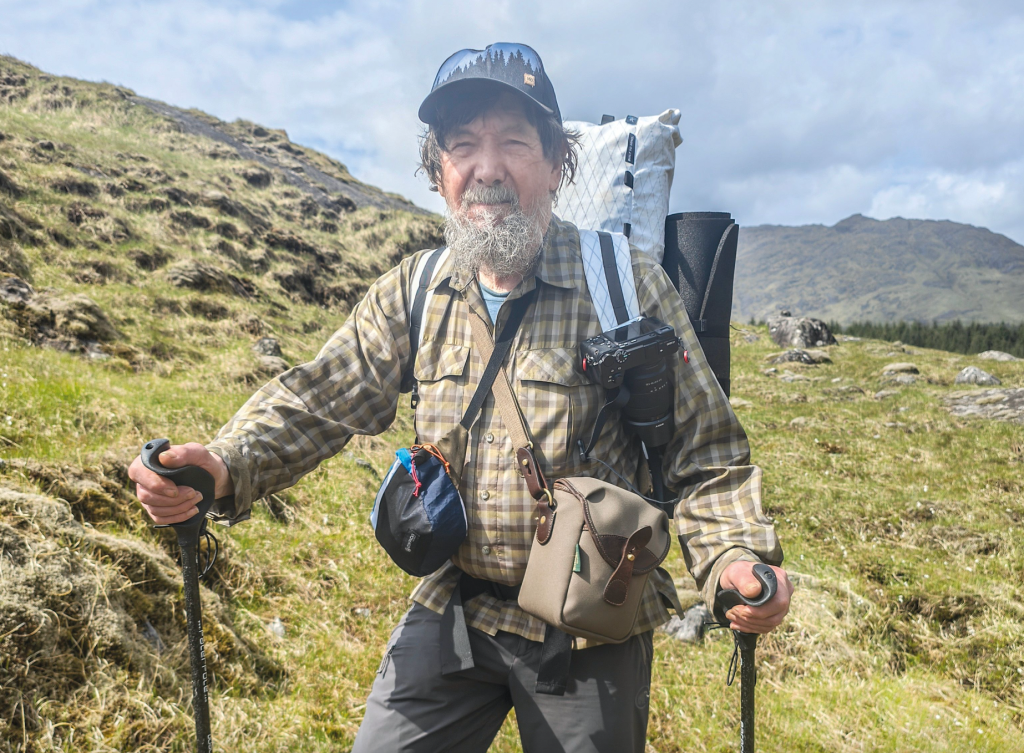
[496, 150]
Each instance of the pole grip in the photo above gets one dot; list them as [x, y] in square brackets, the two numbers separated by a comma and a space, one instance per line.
[188, 539]
[728, 598]
[190, 475]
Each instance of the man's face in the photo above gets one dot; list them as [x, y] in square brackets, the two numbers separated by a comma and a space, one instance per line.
[499, 148]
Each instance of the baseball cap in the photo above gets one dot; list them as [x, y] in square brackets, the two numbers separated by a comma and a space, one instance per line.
[515, 66]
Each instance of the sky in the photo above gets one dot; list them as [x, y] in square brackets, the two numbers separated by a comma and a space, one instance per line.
[792, 112]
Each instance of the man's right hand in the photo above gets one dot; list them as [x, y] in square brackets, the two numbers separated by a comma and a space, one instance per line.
[165, 501]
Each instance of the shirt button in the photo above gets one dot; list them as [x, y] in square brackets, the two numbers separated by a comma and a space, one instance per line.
[485, 494]
[485, 549]
[489, 438]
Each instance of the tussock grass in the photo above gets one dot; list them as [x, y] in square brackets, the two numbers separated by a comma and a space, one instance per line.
[901, 523]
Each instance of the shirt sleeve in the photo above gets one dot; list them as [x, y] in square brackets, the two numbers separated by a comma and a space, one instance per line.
[707, 463]
[309, 413]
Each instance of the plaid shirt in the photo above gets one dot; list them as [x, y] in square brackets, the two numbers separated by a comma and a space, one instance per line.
[307, 414]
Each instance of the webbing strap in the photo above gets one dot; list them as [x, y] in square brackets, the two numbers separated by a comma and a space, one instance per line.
[605, 272]
[611, 274]
[426, 273]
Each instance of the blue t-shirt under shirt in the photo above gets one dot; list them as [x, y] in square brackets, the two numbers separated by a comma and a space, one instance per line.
[493, 299]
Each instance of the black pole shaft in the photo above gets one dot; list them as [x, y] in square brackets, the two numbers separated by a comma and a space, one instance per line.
[196, 645]
[748, 679]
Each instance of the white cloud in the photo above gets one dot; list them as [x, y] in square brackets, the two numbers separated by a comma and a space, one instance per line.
[792, 111]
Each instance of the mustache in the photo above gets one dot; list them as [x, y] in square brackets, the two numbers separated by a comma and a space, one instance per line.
[501, 194]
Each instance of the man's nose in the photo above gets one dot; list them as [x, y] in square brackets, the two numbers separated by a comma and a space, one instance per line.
[490, 168]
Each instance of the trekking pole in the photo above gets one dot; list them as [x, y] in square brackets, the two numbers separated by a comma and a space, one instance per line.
[746, 643]
[189, 532]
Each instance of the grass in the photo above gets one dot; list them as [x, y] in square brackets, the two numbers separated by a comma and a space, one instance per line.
[901, 524]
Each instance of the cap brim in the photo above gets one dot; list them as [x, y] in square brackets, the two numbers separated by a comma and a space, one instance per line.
[465, 87]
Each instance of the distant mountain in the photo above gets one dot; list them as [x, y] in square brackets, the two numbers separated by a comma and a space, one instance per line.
[880, 270]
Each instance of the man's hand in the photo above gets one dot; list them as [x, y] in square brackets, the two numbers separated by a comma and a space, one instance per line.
[162, 498]
[763, 619]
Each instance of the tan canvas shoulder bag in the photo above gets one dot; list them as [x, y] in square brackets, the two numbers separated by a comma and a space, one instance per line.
[595, 543]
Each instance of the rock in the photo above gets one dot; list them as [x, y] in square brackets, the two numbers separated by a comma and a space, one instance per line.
[799, 332]
[883, 394]
[199, 275]
[739, 402]
[899, 368]
[997, 355]
[848, 339]
[789, 377]
[999, 405]
[272, 365]
[267, 346]
[689, 629]
[974, 375]
[15, 290]
[798, 422]
[750, 337]
[810, 357]
[901, 379]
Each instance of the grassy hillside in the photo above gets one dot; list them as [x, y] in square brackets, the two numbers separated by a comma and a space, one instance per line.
[862, 269]
[901, 521]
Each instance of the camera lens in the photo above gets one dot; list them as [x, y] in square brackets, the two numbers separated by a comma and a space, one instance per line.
[650, 391]
[649, 410]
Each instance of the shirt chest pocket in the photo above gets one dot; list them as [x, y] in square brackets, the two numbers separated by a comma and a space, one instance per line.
[559, 404]
[441, 376]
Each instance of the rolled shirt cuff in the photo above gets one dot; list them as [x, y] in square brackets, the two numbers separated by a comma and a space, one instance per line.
[235, 508]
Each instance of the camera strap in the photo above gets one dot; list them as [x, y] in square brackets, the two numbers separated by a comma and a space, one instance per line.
[618, 399]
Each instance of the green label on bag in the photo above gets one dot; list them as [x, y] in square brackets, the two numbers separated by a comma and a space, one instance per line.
[576, 562]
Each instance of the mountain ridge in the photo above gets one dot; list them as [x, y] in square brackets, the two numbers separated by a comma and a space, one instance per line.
[880, 270]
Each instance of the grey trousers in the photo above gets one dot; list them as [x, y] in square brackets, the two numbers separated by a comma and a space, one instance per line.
[413, 709]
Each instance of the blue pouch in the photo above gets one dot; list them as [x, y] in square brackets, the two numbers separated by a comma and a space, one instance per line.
[418, 516]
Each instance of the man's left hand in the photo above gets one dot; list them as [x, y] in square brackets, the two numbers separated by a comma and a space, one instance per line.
[763, 619]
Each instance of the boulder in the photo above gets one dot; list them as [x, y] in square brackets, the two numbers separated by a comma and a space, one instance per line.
[999, 405]
[899, 368]
[272, 365]
[809, 357]
[883, 394]
[267, 346]
[974, 375]
[799, 332]
[690, 628]
[997, 355]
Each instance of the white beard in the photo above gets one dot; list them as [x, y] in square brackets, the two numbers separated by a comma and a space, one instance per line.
[503, 246]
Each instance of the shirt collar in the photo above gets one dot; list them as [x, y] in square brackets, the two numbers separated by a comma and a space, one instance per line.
[556, 266]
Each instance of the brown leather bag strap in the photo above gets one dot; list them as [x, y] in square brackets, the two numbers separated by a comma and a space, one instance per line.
[511, 415]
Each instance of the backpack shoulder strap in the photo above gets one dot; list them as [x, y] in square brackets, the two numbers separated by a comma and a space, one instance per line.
[608, 266]
[421, 277]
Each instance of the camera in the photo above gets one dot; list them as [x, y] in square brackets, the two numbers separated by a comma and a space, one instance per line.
[633, 358]
[638, 342]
